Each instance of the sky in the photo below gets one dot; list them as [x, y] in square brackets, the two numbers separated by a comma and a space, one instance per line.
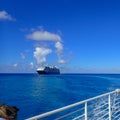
[78, 36]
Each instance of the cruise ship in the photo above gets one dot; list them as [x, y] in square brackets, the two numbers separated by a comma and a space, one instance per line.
[48, 70]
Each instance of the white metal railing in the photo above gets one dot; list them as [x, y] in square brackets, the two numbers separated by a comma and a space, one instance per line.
[102, 107]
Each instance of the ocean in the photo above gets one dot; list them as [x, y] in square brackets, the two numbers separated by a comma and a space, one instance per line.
[34, 94]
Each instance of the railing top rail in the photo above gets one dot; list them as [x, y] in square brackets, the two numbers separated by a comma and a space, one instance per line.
[71, 106]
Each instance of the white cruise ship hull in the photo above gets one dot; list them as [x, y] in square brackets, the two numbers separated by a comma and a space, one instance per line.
[48, 70]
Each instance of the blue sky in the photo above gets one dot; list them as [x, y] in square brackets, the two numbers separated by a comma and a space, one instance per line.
[77, 35]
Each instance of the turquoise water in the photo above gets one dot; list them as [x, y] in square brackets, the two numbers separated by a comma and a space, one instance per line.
[34, 94]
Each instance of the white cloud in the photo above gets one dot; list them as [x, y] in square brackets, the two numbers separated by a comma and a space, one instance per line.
[40, 54]
[61, 61]
[5, 16]
[32, 65]
[22, 56]
[43, 36]
[59, 47]
[15, 65]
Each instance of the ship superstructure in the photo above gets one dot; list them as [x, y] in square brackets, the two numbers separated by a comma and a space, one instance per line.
[48, 70]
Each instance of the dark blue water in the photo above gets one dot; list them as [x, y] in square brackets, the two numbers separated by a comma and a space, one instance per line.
[34, 94]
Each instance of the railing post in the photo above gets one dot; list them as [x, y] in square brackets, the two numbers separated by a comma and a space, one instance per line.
[109, 105]
[85, 110]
